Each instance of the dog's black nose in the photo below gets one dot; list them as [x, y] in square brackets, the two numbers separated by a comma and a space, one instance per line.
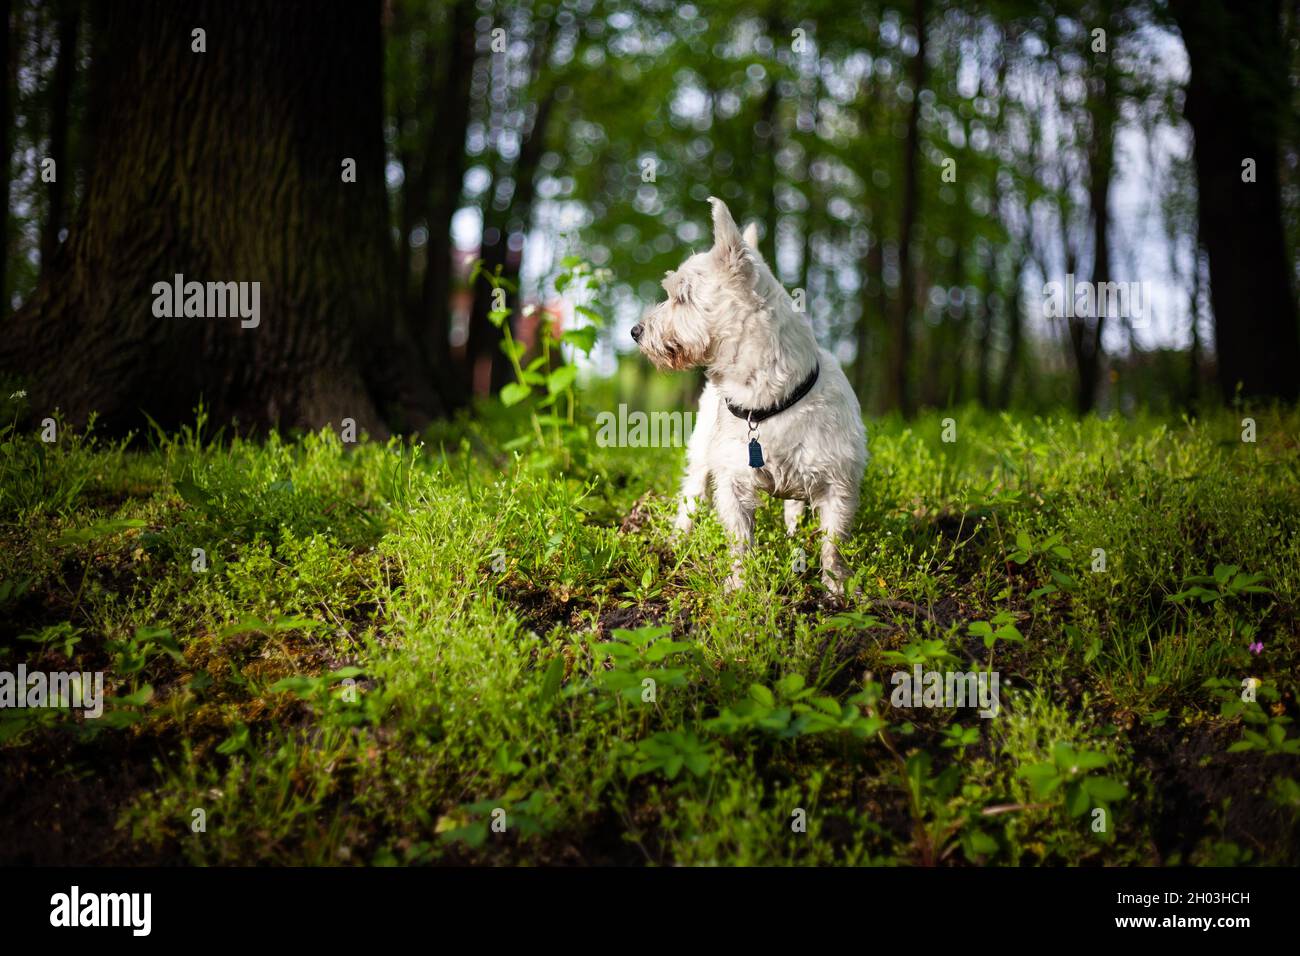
[636, 332]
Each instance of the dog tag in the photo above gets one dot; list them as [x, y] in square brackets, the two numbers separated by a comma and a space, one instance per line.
[755, 454]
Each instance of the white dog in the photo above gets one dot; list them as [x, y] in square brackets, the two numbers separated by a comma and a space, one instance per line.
[777, 414]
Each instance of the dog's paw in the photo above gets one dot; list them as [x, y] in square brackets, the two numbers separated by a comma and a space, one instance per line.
[735, 582]
[832, 602]
[833, 581]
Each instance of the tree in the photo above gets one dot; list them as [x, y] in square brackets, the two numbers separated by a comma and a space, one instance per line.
[1238, 96]
[60, 108]
[901, 345]
[5, 122]
[220, 134]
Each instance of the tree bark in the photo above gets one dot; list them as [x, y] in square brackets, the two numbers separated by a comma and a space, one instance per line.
[1238, 97]
[226, 166]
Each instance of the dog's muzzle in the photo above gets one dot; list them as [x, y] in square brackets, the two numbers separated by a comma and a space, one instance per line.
[636, 332]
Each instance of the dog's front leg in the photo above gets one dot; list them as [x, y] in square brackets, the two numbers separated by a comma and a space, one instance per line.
[793, 512]
[694, 486]
[835, 509]
[735, 505]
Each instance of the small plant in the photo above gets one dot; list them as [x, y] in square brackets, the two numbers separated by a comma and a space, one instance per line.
[946, 815]
[132, 654]
[1227, 583]
[547, 379]
[1269, 733]
[958, 737]
[668, 752]
[1050, 553]
[62, 636]
[525, 817]
[794, 710]
[1001, 628]
[643, 662]
[1070, 772]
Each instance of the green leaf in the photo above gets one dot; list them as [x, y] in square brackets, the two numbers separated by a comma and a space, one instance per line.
[514, 393]
[553, 678]
[790, 685]
[1090, 760]
[1076, 800]
[583, 339]
[191, 493]
[561, 378]
[1105, 790]
[1043, 778]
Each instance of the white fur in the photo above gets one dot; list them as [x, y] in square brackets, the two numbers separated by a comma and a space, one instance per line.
[727, 312]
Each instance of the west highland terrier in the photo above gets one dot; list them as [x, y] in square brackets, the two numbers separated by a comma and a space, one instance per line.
[777, 413]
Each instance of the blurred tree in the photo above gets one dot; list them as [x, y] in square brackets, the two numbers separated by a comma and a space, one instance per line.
[6, 121]
[900, 372]
[1238, 102]
[69, 17]
[431, 64]
[226, 165]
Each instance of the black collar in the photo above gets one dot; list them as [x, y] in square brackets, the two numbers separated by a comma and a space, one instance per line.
[756, 415]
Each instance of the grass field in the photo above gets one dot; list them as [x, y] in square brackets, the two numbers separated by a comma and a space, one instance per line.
[452, 653]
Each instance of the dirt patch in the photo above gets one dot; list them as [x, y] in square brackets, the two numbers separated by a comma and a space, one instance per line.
[636, 519]
[60, 800]
[540, 609]
[649, 614]
[1193, 774]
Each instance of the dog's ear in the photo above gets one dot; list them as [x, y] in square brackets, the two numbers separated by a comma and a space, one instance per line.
[750, 235]
[728, 245]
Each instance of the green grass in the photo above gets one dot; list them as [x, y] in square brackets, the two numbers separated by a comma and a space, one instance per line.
[392, 648]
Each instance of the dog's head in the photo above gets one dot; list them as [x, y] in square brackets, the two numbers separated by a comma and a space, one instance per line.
[703, 293]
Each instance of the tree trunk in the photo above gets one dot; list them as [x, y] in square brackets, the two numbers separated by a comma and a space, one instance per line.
[984, 330]
[901, 346]
[6, 121]
[1085, 336]
[489, 365]
[1015, 333]
[1238, 97]
[871, 294]
[226, 166]
[65, 71]
[445, 158]
[1194, 354]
